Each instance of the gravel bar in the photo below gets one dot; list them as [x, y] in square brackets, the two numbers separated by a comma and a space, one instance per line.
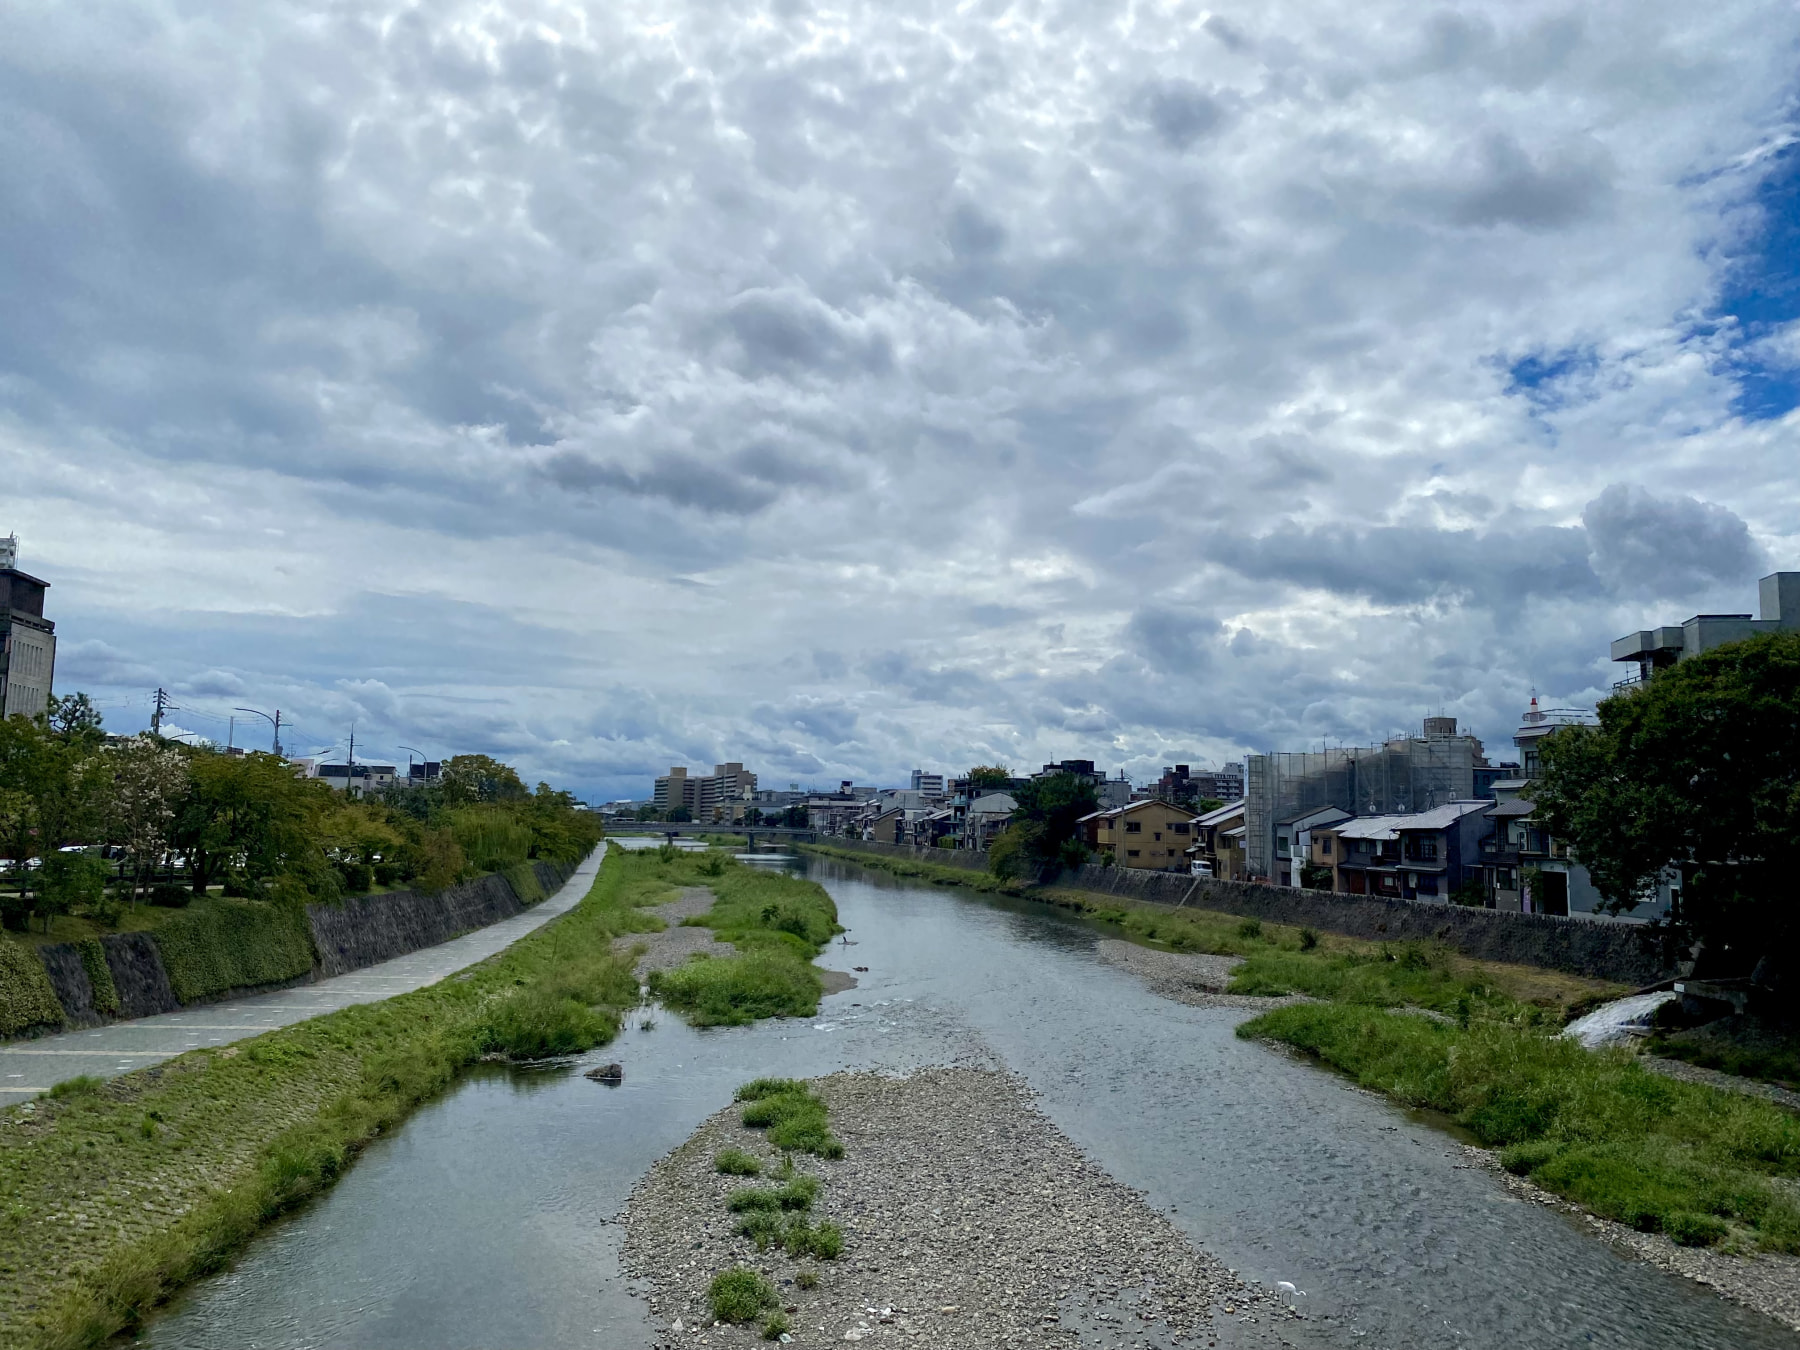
[674, 945]
[969, 1221]
[1195, 978]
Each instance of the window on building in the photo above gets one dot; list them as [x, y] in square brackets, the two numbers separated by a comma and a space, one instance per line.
[1325, 846]
[1134, 827]
[1131, 853]
[1157, 836]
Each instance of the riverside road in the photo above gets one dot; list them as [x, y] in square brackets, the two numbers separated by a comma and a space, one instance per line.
[30, 1067]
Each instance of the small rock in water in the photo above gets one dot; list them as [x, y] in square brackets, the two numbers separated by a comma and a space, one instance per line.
[610, 1074]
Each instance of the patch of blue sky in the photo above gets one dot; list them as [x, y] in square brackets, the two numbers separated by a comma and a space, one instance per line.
[1554, 379]
[1761, 296]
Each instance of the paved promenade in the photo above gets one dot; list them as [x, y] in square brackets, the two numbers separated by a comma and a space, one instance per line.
[30, 1067]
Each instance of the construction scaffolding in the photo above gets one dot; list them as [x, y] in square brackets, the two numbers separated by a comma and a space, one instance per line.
[1405, 774]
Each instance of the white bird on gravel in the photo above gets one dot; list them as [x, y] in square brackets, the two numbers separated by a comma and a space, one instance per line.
[1286, 1289]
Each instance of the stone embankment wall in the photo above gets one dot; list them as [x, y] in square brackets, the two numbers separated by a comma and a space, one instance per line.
[345, 936]
[372, 928]
[1626, 952]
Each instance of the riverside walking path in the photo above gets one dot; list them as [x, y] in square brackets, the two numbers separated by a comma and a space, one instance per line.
[30, 1067]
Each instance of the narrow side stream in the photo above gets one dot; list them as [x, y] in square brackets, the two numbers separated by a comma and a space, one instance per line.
[486, 1220]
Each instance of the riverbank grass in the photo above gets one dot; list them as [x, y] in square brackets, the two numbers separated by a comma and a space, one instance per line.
[1594, 1127]
[111, 1198]
[778, 923]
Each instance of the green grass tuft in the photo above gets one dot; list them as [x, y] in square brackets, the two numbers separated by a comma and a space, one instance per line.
[795, 1119]
[734, 1162]
[85, 1085]
[739, 1295]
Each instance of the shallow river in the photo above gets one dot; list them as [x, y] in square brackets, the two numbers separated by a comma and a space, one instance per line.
[488, 1220]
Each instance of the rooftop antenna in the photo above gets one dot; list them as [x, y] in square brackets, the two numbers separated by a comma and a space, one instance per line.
[9, 551]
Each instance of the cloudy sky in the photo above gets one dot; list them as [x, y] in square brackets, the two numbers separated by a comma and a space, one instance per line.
[846, 387]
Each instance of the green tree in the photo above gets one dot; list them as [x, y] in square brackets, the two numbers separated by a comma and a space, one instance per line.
[1045, 827]
[989, 776]
[74, 717]
[480, 778]
[46, 801]
[145, 780]
[247, 813]
[1697, 770]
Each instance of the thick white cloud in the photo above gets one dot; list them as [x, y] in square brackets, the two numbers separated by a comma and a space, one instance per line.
[840, 387]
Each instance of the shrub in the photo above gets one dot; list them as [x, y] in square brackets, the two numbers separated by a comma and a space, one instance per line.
[1250, 929]
[537, 1023]
[523, 879]
[1308, 939]
[761, 1226]
[233, 944]
[734, 1162]
[1694, 1230]
[100, 977]
[490, 837]
[27, 998]
[169, 896]
[734, 990]
[807, 1279]
[739, 1295]
[825, 1242]
[775, 1326]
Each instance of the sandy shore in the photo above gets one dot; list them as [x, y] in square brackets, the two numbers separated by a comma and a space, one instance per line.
[969, 1221]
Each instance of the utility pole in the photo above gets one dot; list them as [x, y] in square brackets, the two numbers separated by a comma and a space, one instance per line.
[274, 721]
[162, 705]
[350, 773]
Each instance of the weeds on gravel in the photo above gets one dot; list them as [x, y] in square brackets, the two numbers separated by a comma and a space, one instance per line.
[734, 1162]
[792, 1113]
[775, 1326]
[1594, 1127]
[84, 1085]
[824, 1241]
[797, 1194]
[806, 1279]
[740, 1295]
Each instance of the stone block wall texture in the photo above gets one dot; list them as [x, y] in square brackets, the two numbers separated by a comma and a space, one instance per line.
[372, 928]
[69, 978]
[137, 970]
[1626, 952]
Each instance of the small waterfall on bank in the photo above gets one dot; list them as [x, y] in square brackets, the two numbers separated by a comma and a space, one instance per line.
[1611, 1023]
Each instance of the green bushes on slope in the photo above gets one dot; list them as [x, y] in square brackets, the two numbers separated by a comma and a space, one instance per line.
[1595, 1127]
[233, 944]
[523, 878]
[27, 999]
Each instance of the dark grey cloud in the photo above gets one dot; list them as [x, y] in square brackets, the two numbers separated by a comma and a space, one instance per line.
[1180, 111]
[1677, 546]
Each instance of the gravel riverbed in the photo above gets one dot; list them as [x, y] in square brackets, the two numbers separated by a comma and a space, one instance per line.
[674, 945]
[969, 1221]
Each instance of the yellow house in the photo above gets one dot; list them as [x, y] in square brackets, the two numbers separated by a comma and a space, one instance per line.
[1153, 835]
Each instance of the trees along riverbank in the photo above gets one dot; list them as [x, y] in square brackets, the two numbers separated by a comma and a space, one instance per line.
[1707, 1167]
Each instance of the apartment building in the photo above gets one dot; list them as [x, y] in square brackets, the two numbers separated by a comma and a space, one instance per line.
[1148, 835]
[718, 794]
[27, 639]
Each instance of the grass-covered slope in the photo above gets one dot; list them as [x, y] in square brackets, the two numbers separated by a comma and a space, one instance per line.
[1592, 1126]
[115, 1193]
[778, 923]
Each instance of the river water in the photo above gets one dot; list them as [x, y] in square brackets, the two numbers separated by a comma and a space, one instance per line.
[488, 1220]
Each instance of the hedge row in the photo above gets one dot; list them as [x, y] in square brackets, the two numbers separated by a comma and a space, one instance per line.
[26, 997]
[233, 944]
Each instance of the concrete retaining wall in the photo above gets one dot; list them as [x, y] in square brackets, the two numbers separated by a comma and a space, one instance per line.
[1627, 952]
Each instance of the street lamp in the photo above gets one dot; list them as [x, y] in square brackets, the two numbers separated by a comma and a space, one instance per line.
[274, 721]
[410, 752]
